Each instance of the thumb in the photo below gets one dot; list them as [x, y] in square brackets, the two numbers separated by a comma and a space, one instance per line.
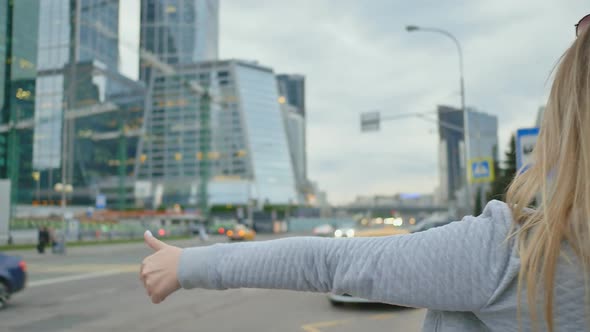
[152, 242]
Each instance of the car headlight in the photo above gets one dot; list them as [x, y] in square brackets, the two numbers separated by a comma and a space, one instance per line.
[338, 233]
[350, 233]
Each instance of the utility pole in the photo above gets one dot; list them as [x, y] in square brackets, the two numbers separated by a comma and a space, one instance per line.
[13, 151]
[204, 149]
[122, 152]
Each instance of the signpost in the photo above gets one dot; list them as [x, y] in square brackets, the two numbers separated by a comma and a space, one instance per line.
[370, 121]
[481, 170]
[526, 138]
[101, 201]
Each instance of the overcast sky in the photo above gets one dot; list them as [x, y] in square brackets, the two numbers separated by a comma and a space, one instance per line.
[357, 57]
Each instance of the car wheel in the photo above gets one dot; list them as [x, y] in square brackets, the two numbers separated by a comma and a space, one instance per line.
[4, 294]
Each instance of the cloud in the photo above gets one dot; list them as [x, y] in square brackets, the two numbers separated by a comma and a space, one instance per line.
[357, 57]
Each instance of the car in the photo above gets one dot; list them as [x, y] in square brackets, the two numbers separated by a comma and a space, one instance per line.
[221, 226]
[13, 277]
[240, 233]
[323, 230]
[371, 229]
[345, 230]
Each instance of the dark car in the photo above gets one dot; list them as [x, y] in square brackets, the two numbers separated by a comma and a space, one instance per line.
[13, 277]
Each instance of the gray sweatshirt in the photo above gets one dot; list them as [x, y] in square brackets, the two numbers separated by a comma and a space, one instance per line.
[465, 272]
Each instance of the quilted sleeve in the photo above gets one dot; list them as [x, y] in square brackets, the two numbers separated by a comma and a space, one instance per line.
[456, 267]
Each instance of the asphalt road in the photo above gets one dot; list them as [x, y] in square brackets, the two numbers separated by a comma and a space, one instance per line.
[97, 289]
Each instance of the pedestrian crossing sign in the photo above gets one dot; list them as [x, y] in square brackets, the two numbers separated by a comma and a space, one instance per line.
[481, 170]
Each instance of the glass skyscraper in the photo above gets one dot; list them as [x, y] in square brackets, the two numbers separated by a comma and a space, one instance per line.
[292, 97]
[179, 31]
[242, 139]
[18, 56]
[295, 126]
[482, 142]
[292, 88]
[70, 87]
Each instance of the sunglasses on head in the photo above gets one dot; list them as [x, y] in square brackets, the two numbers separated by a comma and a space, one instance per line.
[582, 25]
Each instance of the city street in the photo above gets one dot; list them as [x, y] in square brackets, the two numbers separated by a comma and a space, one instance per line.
[97, 289]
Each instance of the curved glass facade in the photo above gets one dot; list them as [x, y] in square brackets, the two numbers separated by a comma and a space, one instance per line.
[18, 48]
[266, 135]
[180, 31]
[245, 146]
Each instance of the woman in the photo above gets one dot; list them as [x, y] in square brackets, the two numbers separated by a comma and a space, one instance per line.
[468, 273]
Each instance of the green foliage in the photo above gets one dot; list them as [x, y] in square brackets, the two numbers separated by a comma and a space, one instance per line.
[504, 173]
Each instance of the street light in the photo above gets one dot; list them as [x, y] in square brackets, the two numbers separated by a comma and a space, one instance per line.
[64, 189]
[415, 28]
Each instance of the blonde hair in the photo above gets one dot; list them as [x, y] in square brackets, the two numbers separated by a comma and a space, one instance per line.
[560, 173]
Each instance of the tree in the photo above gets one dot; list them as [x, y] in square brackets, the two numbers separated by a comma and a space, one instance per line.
[504, 174]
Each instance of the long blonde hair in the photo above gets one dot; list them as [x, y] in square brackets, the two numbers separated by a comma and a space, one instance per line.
[560, 173]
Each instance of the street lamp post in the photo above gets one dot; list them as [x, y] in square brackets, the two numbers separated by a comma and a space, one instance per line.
[466, 134]
[64, 189]
[414, 28]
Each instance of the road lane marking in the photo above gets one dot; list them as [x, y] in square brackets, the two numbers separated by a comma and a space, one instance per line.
[381, 316]
[82, 268]
[83, 296]
[315, 327]
[77, 277]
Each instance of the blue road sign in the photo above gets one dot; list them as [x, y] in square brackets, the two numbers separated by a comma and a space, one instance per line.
[481, 170]
[526, 138]
[101, 201]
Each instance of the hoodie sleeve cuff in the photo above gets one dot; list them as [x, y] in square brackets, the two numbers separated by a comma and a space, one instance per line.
[193, 269]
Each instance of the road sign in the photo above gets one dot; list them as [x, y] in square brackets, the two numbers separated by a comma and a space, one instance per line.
[481, 170]
[526, 138]
[101, 201]
[370, 121]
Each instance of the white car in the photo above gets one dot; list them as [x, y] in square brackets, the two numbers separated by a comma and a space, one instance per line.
[323, 230]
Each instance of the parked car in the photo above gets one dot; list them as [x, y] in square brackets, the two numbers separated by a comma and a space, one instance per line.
[240, 233]
[13, 277]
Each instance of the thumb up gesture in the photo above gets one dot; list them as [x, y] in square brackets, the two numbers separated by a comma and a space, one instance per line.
[158, 271]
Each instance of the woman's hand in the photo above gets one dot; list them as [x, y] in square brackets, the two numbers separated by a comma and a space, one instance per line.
[158, 271]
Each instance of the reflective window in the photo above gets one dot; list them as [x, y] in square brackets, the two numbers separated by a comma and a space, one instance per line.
[266, 135]
[48, 122]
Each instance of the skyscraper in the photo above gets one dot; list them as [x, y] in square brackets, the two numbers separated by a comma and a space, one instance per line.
[18, 56]
[292, 88]
[179, 32]
[482, 142]
[295, 126]
[87, 102]
[451, 152]
[235, 140]
[292, 98]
